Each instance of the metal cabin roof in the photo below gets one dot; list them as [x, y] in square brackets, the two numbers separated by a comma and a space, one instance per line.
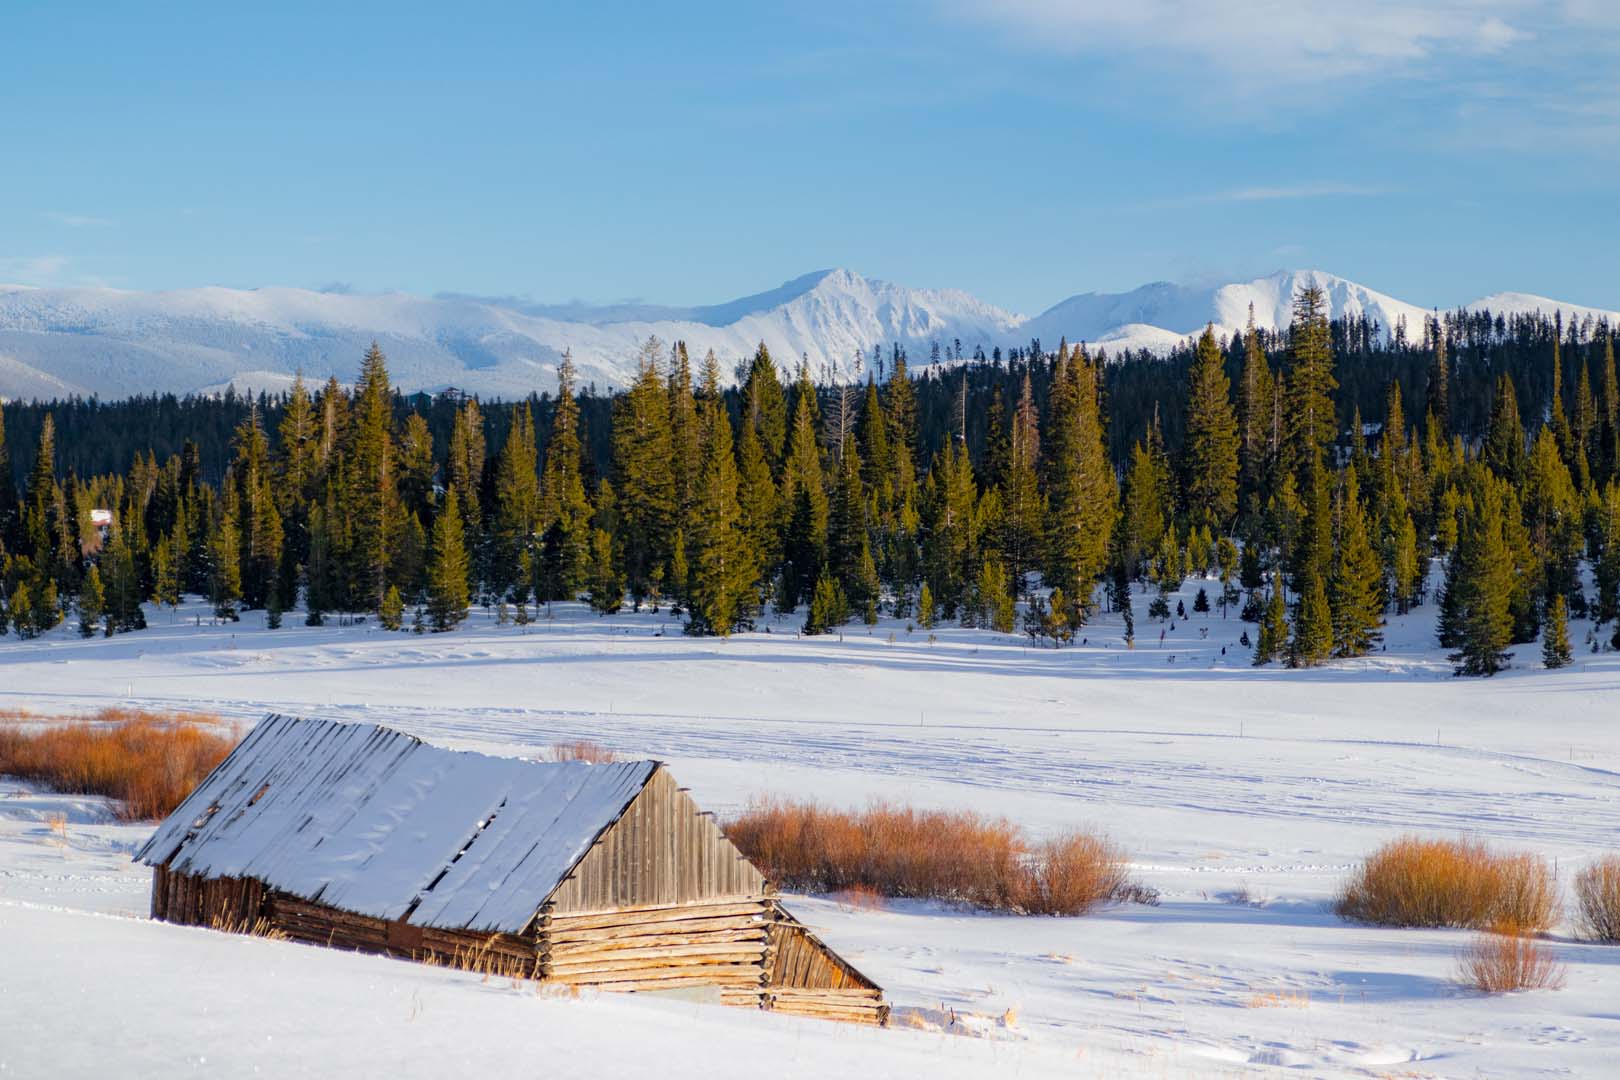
[379, 823]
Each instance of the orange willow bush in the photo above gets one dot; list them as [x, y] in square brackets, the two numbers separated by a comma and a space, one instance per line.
[1597, 895]
[900, 851]
[148, 761]
[1416, 882]
[1507, 960]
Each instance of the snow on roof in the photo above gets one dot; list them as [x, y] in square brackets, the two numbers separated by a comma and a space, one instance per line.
[377, 822]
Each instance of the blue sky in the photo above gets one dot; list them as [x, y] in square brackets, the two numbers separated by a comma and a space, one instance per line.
[1023, 150]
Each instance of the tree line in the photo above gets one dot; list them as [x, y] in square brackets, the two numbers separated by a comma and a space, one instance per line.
[950, 496]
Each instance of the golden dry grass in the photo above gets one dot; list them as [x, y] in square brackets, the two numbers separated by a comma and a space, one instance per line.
[1418, 882]
[585, 750]
[147, 761]
[901, 851]
[1597, 900]
[1509, 959]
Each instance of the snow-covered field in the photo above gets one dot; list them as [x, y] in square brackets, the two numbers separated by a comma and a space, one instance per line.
[1244, 795]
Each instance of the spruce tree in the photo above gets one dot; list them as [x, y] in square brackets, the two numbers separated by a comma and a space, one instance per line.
[805, 497]
[1023, 506]
[722, 569]
[829, 607]
[1439, 376]
[373, 497]
[606, 587]
[1312, 421]
[1480, 592]
[1313, 625]
[464, 472]
[1555, 647]
[224, 560]
[645, 481]
[565, 510]
[765, 407]
[516, 507]
[1503, 452]
[392, 611]
[1082, 500]
[925, 607]
[1210, 447]
[1256, 411]
[447, 596]
[165, 574]
[92, 603]
[1272, 640]
[1357, 608]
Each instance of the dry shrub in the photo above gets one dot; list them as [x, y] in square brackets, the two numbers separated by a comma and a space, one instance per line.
[1597, 894]
[900, 851]
[1070, 875]
[1416, 882]
[148, 761]
[1509, 959]
[585, 750]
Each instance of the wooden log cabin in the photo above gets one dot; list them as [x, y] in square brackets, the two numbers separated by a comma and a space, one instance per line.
[606, 876]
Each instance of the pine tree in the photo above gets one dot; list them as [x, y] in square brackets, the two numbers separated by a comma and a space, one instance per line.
[20, 610]
[1606, 564]
[900, 408]
[1256, 411]
[1313, 625]
[1439, 377]
[565, 510]
[805, 497]
[1555, 647]
[1210, 449]
[1312, 421]
[1503, 452]
[8, 499]
[224, 560]
[165, 574]
[829, 607]
[92, 604]
[723, 569]
[925, 607]
[1356, 606]
[607, 588]
[685, 439]
[765, 407]
[516, 508]
[868, 585]
[1023, 507]
[1082, 500]
[464, 472]
[373, 497]
[392, 611]
[645, 480]
[1272, 640]
[447, 596]
[1480, 592]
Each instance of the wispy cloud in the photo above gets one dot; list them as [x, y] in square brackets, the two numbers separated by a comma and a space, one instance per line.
[1267, 193]
[78, 221]
[32, 269]
[1270, 41]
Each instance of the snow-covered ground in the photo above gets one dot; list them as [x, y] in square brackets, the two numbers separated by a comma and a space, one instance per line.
[1244, 795]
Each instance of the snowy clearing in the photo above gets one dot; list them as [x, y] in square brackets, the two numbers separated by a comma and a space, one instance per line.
[1244, 796]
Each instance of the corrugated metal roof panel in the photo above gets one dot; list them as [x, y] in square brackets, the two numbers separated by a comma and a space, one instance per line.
[378, 822]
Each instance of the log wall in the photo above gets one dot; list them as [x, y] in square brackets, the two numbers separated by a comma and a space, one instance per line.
[663, 948]
[662, 851]
[806, 978]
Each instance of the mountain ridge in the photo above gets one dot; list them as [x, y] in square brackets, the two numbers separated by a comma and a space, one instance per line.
[114, 343]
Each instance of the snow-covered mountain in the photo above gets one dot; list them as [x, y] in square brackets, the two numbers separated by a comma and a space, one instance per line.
[60, 341]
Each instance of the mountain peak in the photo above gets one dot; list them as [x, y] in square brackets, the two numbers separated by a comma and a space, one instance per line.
[56, 342]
